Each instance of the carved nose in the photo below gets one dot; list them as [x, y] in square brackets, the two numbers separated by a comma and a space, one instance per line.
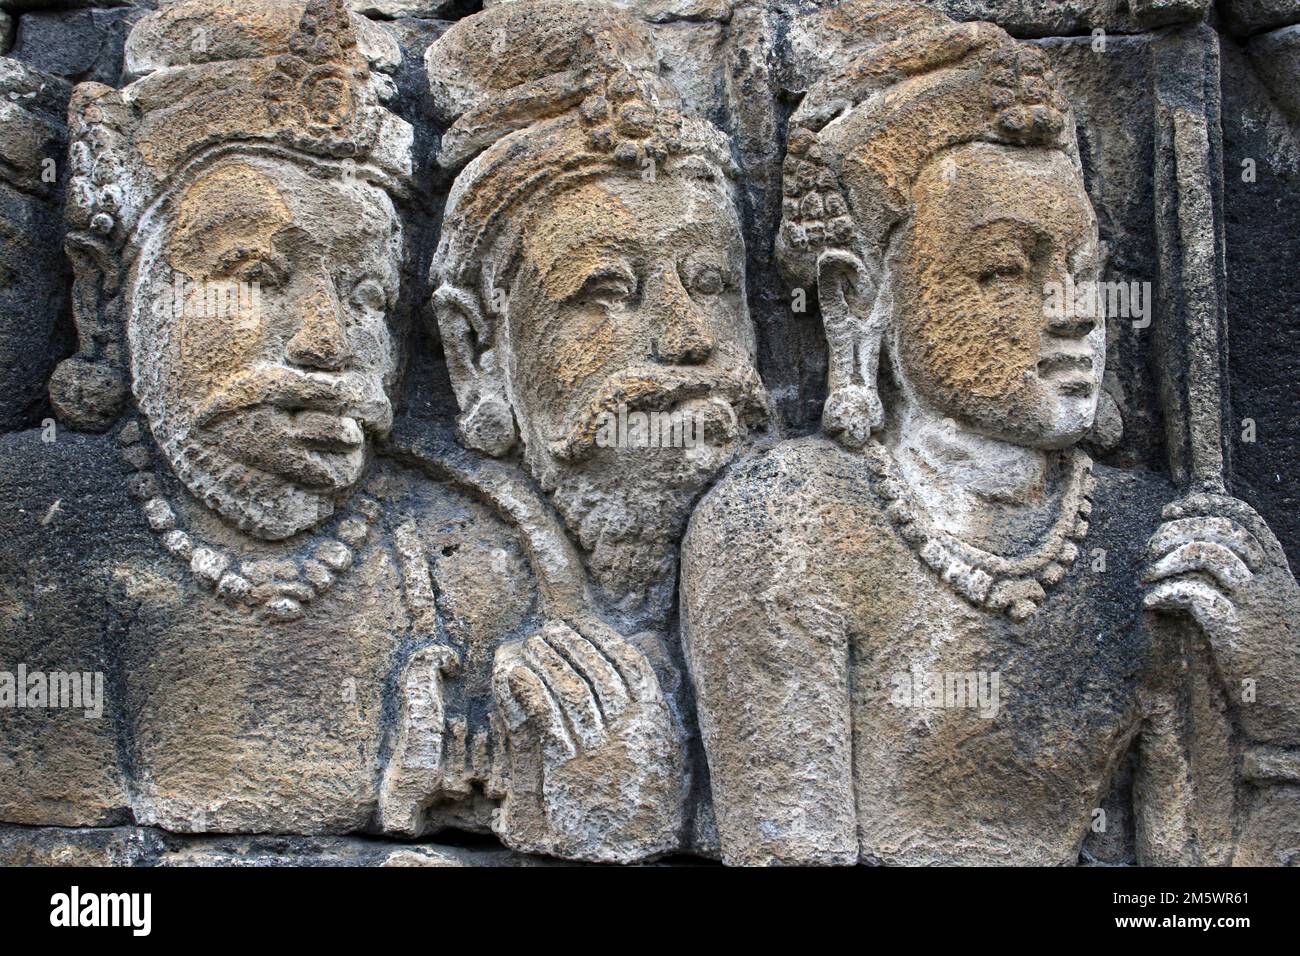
[320, 342]
[1072, 323]
[683, 337]
[1082, 312]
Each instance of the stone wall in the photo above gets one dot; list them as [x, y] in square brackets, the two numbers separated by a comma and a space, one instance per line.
[335, 346]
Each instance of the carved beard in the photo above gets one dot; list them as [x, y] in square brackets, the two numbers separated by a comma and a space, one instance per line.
[254, 501]
[628, 509]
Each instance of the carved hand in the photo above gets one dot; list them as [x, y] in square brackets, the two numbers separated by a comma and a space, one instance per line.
[595, 758]
[1215, 559]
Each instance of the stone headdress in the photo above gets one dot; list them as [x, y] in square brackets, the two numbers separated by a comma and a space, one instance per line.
[301, 79]
[910, 84]
[899, 85]
[539, 96]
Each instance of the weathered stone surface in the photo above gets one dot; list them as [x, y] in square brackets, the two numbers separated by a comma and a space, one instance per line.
[1042, 18]
[1261, 157]
[1276, 58]
[81, 44]
[34, 276]
[629, 299]
[667, 11]
[1245, 17]
[141, 846]
[365, 365]
[396, 9]
[26, 6]
[872, 568]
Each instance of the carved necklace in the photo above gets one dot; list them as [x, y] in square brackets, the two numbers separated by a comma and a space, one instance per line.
[274, 588]
[1017, 585]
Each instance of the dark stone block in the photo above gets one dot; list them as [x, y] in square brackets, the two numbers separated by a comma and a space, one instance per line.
[78, 45]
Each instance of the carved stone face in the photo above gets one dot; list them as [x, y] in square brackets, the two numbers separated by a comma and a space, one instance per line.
[994, 225]
[261, 351]
[630, 292]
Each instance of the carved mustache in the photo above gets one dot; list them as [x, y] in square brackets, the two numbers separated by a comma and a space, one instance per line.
[1065, 362]
[290, 391]
[658, 388]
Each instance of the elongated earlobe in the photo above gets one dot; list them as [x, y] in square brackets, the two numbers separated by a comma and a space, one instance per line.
[847, 292]
[486, 422]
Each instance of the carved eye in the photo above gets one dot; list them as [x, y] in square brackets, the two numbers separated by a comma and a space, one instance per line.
[369, 294]
[268, 270]
[1006, 267]
[707, 280]
[608, 288]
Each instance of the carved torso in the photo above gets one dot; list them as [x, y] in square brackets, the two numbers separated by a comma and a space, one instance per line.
[223, 721]
[848, 602]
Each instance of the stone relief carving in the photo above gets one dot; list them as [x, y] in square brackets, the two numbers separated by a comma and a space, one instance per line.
[413, 471]
[588, 270]
[934, 191]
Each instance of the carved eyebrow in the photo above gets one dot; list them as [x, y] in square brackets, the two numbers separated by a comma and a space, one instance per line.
[619, 269]
[613, 270]
[706, 230]
[564, 276]
[290, 237]
[237, 253]
[1008, 222]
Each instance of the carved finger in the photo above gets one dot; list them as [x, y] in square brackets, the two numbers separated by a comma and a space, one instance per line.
[508, 657]
[1234, 509]
[611, 692]
[576, 697]
[637, 674]
[1213, 559]
[1221, 531]
[530, 691]
[1210, 609]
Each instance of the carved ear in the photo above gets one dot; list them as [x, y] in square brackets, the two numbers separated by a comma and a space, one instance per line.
[486, 421]
[847, 292]
[88, 390]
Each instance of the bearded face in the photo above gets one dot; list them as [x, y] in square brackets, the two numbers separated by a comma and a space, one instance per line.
[630, 297]
[995, 228]
[260, 345]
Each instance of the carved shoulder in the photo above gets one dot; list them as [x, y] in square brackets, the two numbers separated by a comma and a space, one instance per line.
[803, 492]
[782, 544]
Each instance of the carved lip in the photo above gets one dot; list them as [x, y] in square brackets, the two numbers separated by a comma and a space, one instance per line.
[1071, 373]
[328, 432]
[1058, 363]
[321, 402]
